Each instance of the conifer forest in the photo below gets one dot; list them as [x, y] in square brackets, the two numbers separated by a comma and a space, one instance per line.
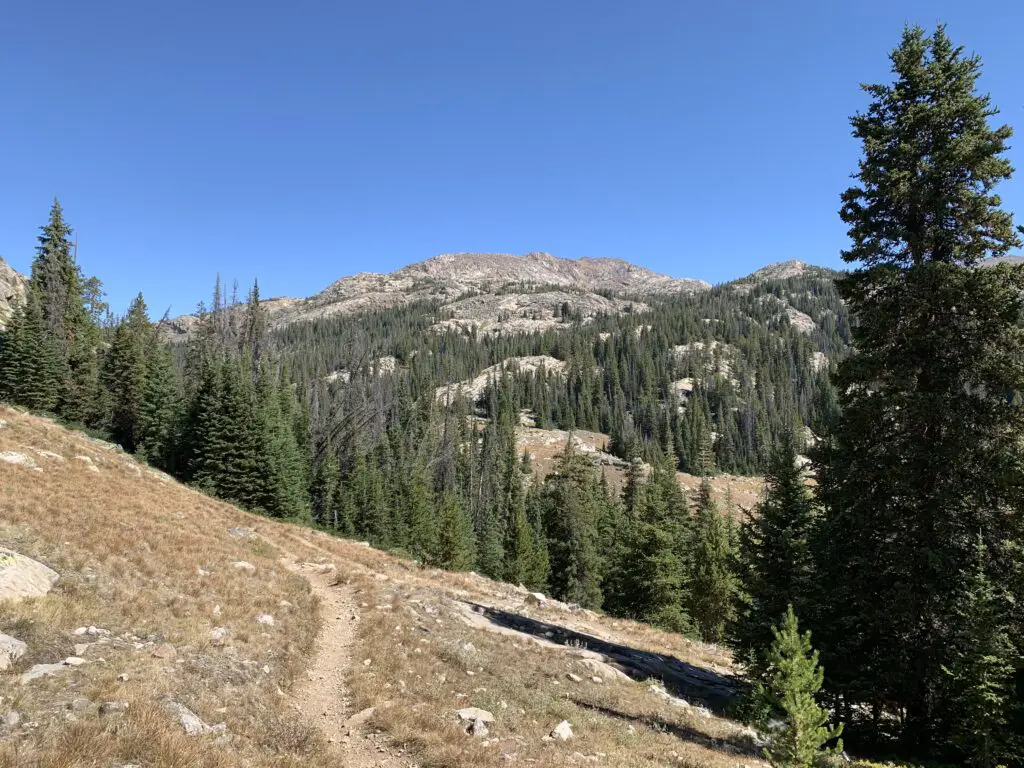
[874, 594]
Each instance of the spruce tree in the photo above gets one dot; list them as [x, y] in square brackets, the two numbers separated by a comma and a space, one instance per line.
[790, 683]
[714, 584]
[776, 562]
[160, 415]
[29, 359]
[981, 672]
[924, 455]
[454, 536]
[124, 373]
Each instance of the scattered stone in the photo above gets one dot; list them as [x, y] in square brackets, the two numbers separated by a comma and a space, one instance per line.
[87, 462]
[596, 680]
[12, 719]
[479, 729]
[574, 678]
[11, 649]
[22, 577]
[3, 424]
[216, 611]
[113, 707]
[285, 604]
[74, 661]
[469, 714]
[241, 532]
[536, 598]
[80, 631]
[40, 670]
[190, 721]
[266, 619]
[201, 572]
[242, 565]
[164, 651]
[81, 648]
[123, 678]
[218, 635]
[48, 455]
[18, 459]
[562, 731]
[78, 704]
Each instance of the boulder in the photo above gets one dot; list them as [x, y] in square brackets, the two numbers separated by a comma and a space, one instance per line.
[190, 721]
[242, 565]
[113, 707]
[164, 651]
[17, 459]
[562, 731]
[11, 649]
[472, 714]
[266, 619]
[537, 599]
[41, 670]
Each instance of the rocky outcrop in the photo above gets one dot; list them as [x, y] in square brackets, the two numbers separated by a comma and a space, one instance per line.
[12, 291]
[487, 292]
[474, 389]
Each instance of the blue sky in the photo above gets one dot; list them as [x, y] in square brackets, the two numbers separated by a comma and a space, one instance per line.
[299, 142]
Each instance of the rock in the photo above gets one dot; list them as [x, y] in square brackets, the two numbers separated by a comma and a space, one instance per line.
[113, 707]
[216, 611]
[41, 670]
[472, 714]
[22, 577]
[18, 459]
[241, 565]
[266, 619]
[241, 532]
[11, 649]
[164, 651]
[190, 721]
[479, 729]
[81, 648]
[562, 731]
[604, 670]
[12, 719]
[74, 661]
[597, 680]
[87, 462]
[77, 705]
[218, 635]
[123, 678]
[80, 631]
[48, 455]
[537, 599]
[574, 678]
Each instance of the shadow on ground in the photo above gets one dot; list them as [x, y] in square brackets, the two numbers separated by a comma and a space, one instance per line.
[694, 684]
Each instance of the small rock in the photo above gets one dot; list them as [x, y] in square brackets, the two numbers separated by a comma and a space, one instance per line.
[597, 680]
[479, 729]
[536, 598]
[80, 631]
[164, 651]
[18, 459]
[12, 719]
[216, 611]
[471, 714]
[574, 678]
[241, 532]
[76, 705]
[11, 649]
[265, 619]
[242, 565]
[218, 635]
[39, 670]
[562, 731]
[113, 707]
[81, 648]
[74, 661]
[123, 678]
[190, 721]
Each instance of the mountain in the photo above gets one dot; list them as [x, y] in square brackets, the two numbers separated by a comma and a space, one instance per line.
[535, 292]
[12, 291]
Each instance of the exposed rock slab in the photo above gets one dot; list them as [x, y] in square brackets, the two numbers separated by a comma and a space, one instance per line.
[22, 577]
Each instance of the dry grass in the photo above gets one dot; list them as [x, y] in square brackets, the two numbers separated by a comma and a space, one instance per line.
[149, 561]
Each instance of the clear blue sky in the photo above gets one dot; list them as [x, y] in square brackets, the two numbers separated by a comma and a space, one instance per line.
[302, 141]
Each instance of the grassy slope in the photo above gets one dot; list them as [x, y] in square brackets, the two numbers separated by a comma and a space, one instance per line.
[129, 545]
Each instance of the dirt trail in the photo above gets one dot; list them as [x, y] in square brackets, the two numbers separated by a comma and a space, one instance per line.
[323, 696]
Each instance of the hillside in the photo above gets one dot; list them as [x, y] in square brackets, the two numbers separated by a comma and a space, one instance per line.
[293, 648]
[12, 291]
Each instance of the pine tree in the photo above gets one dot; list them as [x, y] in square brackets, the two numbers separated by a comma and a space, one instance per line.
[776, 562]
[923, 456]
[981, 673]
[323, 487]
[714, 584]
[160, 411]
[124, 373]
[791, 680]
[455, 536]
[29, 359]
[573, 508]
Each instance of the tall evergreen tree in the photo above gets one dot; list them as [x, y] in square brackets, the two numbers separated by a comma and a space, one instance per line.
[159, 420]
[714, 584]
[29, 359]
[925, 455]
[776, 562]
[124, 373]
[455, 536]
